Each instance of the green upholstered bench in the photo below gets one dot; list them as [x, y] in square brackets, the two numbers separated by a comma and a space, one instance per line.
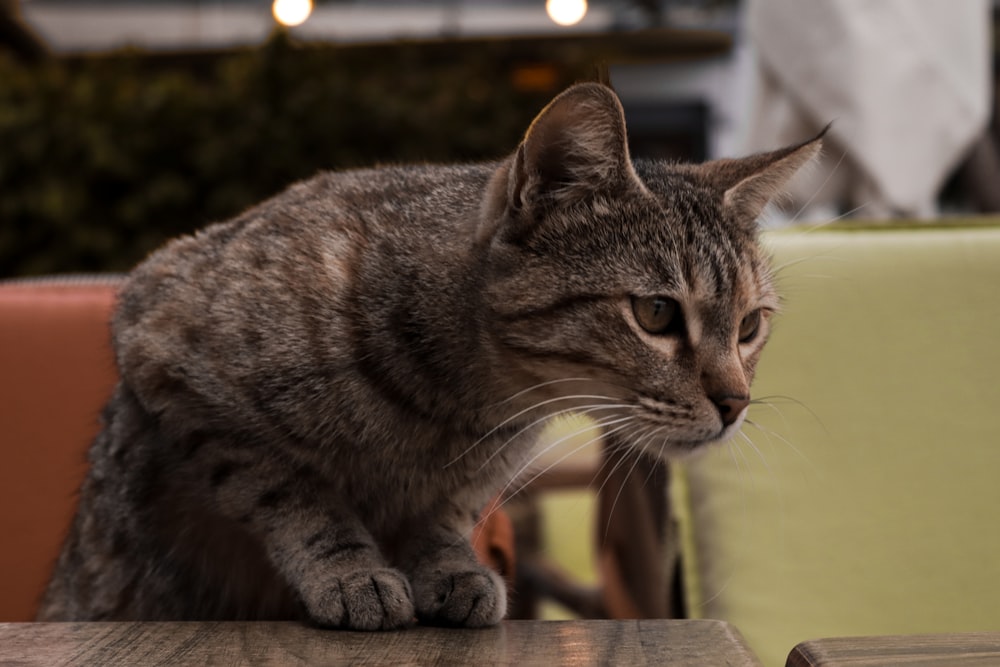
[869, 499]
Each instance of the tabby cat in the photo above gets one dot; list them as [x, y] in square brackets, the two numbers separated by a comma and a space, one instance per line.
[318, 396]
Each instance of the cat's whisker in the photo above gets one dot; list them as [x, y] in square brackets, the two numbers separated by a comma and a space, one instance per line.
[614, 503]
[737, 455]
[607, 461]
[601, 427]
[505, 492]
[760, 455]
[826, 223]
[770, 434]
[649, 434]
[769, 401]
[659, 457]
[823, 185]
[521, 413]
[547, 383]
[644, 435]
[722, 589]
[505, 497]
[845, 214]
[770, 471]
[598, 425]
[778, 269]
[536, 387]
[731, 448]
[826, 256]
[582, 410]
[620, 461]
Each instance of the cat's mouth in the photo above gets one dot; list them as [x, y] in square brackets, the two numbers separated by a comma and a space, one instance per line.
[675, 444]
[728, 432]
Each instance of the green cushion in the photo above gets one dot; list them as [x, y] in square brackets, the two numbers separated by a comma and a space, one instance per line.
[869, 499]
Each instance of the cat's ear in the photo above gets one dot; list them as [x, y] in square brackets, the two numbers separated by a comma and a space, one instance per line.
[748, 184]
[574, 147]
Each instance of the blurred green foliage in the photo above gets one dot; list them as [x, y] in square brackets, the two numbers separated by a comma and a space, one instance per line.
[104, 158]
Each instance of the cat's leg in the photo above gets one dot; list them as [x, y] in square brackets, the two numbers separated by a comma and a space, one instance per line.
[316, 543]
[450, 585]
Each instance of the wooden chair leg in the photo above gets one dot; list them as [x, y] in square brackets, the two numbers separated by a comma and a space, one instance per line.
[636, 539]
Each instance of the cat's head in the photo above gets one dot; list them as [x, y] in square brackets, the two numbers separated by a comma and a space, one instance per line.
[638, 287]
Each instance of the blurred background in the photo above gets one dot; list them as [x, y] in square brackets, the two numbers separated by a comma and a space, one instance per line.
[126, 122]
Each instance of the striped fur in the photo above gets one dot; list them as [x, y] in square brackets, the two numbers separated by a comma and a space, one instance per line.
[318, 396]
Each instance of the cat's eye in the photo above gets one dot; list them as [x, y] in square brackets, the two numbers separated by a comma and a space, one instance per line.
[750, 326]
[657, 314]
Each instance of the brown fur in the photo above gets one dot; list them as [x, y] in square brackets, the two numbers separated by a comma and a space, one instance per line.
[318, 396]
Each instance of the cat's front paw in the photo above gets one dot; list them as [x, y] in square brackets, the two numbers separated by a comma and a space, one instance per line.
[377, 599]
[469, 596]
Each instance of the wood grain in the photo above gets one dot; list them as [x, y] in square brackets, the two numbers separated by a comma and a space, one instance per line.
[646, 642]
[966, 649]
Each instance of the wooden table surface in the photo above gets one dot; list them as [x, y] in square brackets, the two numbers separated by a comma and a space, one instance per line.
[550, 643]
[965, 649]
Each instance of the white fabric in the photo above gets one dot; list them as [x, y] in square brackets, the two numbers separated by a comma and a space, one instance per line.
[905, 82]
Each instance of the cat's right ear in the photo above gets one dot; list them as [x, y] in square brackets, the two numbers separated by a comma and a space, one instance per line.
[748, 184]
[574, 147]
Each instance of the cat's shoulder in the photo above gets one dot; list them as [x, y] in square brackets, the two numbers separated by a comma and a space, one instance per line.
[385, 181]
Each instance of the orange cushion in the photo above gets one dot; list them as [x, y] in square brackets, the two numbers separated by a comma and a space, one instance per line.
[56, 372]
[493, 540]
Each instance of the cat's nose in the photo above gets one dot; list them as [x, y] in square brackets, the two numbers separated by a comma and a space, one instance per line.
[730, 407]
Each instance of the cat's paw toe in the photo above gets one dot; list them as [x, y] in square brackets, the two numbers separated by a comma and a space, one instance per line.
[472, 598]
[366, 600]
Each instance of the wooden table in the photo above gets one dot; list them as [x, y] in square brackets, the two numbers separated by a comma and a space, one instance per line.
[550, 643]
[962, 649]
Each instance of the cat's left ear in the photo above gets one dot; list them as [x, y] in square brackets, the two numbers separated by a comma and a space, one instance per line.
[748, 184]
[575, 147]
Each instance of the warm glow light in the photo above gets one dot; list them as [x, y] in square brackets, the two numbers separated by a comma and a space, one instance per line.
[291, 12]
[566, 12]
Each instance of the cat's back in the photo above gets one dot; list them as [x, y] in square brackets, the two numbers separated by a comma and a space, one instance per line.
[333, 212]
[277, 284]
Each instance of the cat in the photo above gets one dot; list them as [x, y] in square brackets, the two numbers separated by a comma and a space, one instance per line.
[318, 396]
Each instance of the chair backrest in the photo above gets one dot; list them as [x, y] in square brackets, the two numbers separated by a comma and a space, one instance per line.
[56, 371]
[869, 499]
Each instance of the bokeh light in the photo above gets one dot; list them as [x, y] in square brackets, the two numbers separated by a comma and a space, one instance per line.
[566, 12]
[291, 12]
